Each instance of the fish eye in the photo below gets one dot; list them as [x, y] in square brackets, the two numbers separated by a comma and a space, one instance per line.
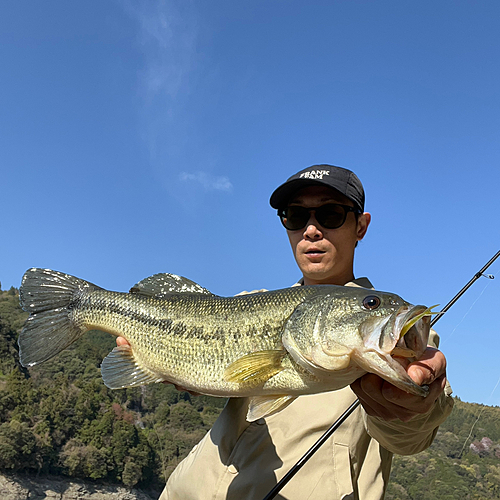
[371, 302]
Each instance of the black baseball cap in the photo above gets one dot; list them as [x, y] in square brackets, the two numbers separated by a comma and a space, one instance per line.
[339, 178]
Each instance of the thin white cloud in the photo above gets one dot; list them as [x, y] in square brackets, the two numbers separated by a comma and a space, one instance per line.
[168, 40]
[209, 182]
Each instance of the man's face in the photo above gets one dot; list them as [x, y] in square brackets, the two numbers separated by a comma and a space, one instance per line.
[325, 256]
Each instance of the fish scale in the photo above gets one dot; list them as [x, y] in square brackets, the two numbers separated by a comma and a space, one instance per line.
[181, 344]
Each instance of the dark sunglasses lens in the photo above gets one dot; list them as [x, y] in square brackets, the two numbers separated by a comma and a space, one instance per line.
[294, 218]
[331, 216]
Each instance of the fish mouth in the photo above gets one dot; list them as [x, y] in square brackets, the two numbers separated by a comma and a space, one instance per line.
[410, 328]
[402, 334]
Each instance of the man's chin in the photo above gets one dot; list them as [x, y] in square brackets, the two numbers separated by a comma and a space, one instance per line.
[316, 273]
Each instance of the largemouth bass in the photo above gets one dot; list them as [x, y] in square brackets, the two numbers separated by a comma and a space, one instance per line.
[269, 346]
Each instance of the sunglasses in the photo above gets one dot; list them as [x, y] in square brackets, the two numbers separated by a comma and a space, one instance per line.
[329, 216]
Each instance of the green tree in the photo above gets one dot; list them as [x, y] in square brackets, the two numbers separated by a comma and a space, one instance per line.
[184, 416]
[132, 473]
[17, 446]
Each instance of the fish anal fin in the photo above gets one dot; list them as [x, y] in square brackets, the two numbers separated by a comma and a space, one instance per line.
[164, 284]
[403, 352]
[256, 367]
[263, 406]
[120, 369]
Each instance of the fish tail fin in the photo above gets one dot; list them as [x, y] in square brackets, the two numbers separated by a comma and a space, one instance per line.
[48, 296]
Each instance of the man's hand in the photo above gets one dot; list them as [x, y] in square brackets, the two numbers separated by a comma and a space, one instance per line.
[381, 399]
[121, 341]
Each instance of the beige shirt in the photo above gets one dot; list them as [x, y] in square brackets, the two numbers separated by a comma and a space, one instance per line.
[238, 460]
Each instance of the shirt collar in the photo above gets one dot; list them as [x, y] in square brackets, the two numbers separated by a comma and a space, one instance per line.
[357, 282]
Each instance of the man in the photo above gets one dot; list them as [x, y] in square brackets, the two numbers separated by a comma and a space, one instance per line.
[322, 208]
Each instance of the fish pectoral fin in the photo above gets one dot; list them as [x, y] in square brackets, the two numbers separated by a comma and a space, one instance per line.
[263, 406]
[163, 284]
[403, 352]
[256, 367]
[119, 369]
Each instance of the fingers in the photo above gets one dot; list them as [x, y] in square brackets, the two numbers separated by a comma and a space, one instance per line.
[415, 404]
[381, 399]
[121, 341]
[179, 388]
[371, 391]
[430, 366]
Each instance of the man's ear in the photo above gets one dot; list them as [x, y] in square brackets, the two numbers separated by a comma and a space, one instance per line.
[363, 223]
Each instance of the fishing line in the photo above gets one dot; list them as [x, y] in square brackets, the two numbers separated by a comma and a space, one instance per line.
[477, 419]
[471, 429]
[490, 276]
[494, 388]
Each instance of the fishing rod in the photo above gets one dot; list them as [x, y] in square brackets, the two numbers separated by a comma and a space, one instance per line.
[289, 475]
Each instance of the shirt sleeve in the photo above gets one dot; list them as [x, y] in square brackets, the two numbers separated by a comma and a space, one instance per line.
[414, 436]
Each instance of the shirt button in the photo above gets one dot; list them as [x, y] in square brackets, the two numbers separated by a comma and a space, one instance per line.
[261, 421]
[232, 469]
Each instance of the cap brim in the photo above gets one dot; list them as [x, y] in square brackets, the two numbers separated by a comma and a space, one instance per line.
[283, 193]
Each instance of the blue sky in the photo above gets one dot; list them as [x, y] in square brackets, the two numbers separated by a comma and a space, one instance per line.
[145, 137]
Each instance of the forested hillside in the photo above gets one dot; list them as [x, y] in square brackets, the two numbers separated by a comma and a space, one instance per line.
[462, 463]
[60, 419]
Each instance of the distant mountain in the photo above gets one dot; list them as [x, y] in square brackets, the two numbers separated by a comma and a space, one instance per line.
[59, 420]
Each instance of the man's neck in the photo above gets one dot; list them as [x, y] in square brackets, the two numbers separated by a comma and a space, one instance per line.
[332, 280]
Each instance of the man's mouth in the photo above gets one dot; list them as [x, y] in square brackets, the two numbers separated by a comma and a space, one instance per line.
[315, 252]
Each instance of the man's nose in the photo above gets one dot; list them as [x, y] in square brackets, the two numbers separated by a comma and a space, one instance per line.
[312, 229]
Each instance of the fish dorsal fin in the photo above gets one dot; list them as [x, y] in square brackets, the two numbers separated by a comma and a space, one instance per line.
[255, 368]
[119, 369]
[264, 406]
[164, 284]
